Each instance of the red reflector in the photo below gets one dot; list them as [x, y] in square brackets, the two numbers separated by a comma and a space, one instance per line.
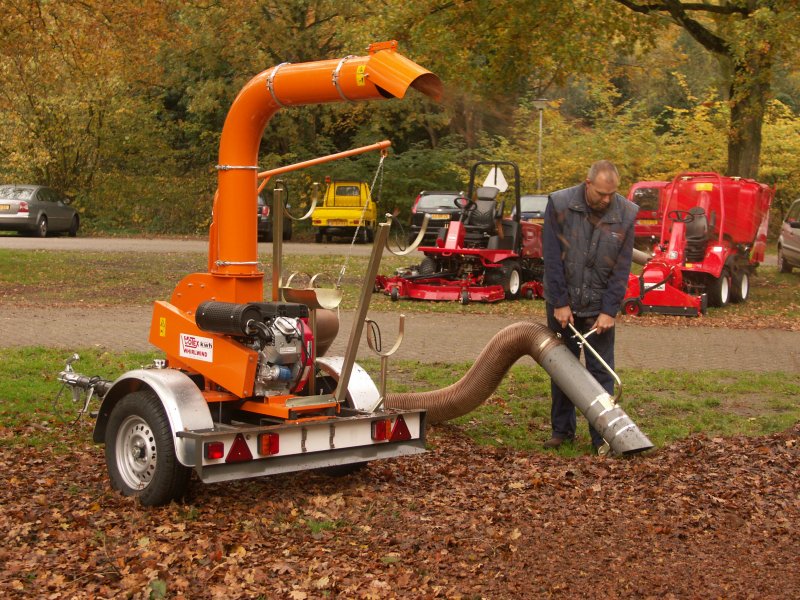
[23, 207]
[265, 211]
[239, 451]
[213, 450]
[381, 430]
[268, 444]
[400, 431]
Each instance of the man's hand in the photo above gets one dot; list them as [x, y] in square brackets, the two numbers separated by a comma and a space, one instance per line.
[604, 323]
[563, 315]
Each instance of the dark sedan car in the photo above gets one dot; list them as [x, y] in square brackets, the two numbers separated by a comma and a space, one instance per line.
[442, 207]
[532, 206]
[36, 210]
[265, 222]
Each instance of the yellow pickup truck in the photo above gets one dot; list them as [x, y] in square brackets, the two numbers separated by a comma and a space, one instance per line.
[347, 205]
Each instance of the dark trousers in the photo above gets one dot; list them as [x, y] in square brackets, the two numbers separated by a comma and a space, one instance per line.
[562, 411]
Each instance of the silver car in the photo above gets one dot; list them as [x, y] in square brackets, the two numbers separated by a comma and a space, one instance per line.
[36, 210]
[789, 240]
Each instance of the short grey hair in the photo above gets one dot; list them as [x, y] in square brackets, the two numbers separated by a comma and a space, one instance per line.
[602, 166]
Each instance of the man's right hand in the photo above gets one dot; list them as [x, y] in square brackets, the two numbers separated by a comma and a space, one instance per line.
[563, 315]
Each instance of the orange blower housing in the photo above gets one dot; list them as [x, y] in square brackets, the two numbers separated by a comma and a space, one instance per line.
[233, 274]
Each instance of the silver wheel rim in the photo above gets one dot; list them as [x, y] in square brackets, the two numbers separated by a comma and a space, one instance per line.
[513, 282]
[136, 453]
[724, 290]
[745, 286]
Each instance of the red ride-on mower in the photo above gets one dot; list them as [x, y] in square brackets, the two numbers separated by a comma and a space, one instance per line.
[482, 257]
[712, 239]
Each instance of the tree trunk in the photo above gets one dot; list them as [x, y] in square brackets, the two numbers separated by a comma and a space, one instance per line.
[750, 89]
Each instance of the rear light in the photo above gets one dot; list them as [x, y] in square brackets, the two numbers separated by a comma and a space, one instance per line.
[239, 451]
[400, 431]
[265, 211]
[414, 208]
[213, 450]
[381, 430]
[23, 207]
[268, 444]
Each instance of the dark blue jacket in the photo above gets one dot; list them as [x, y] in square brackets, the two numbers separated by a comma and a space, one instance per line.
[586, 267]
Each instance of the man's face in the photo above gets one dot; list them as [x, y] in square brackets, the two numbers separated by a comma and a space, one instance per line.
[600, 191]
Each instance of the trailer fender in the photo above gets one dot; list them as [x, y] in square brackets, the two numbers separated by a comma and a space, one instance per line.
[183, 403]
[361, 390]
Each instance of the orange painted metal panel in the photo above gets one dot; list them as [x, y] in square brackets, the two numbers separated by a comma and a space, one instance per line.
[219, 358]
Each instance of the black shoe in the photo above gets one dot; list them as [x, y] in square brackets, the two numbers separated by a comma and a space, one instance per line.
[555, 442]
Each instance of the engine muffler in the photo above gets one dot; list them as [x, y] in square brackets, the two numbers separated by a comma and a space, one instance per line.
[502, 351]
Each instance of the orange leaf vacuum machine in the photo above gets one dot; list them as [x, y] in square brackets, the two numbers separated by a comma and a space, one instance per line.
[246, 388]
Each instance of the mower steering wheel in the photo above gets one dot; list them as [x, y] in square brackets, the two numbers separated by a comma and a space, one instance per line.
[465, 205]
[680, 216]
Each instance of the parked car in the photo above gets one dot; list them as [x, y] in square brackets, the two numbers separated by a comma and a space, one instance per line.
[36, 210]
[443, 208]
[265, 222]
[647, 195]
[347, 208]
[532, 208]
[789, 240]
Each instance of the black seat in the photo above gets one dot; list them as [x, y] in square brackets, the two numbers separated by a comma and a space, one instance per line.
[480, 222]
[510, 239]
[696, 235]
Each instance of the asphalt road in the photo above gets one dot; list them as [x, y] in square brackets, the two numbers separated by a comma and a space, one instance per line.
[428, 337]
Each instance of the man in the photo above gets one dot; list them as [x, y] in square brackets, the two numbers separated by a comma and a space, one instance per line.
[588, 245]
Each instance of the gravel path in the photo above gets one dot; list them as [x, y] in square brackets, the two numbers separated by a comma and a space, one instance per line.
[429, 338]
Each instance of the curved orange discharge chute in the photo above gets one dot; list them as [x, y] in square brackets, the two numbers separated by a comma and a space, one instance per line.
[384, 73]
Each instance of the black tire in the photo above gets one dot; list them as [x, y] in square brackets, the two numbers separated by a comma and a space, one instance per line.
[394, 294]
[370, 235]
[463, 297]
[512, 279]
[740, 286]
[783, 265]
[74, 226]
[632, 307]
[287, 235]
[41, 227]
[140, 451]
[318, 237]
[719, 290]
[427, 266]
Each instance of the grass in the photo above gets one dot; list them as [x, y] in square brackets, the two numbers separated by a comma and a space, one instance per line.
[58, 278]
[667, 405]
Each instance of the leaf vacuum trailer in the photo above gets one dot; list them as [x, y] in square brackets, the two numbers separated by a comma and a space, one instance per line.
[246, 388]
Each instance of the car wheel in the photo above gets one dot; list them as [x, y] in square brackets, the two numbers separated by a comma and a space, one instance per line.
[41, 227]
[719, 291]
[140, 451]
[73, 227]
[783, 265]
[370, 235]
[740, 286]
[318, 237]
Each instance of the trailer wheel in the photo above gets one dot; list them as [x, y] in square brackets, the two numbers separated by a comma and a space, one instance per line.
[719, 290]
[464, 297]
[140, 451]
[632, 307]
[740, 286]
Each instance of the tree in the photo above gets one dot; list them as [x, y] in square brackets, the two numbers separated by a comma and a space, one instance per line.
[749, 37]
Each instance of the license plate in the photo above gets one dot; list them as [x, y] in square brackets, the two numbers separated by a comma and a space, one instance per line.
[5, 208]
[647, 221]
[337, 223]
[440, 217]
[535, 220]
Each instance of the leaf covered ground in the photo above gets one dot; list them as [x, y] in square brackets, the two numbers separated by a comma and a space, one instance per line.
[699, 518]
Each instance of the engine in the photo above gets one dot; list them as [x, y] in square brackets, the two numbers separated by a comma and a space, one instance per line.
[278, 331]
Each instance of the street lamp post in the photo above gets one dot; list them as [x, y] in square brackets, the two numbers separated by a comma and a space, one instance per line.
[540, 105]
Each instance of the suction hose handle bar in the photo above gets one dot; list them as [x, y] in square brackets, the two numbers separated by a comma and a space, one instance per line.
[583, 343]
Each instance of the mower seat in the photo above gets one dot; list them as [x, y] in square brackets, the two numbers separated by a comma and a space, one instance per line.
[696, 235]
[480, 222]
[510, 239]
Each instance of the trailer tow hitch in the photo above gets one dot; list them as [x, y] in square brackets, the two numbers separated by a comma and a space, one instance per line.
[81, 383]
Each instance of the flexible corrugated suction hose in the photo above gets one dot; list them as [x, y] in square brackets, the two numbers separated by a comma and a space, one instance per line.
[502, 351]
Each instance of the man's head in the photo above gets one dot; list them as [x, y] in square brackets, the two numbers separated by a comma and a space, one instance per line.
[601, 185]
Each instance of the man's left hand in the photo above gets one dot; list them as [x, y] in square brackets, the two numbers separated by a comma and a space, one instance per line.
[604, 323]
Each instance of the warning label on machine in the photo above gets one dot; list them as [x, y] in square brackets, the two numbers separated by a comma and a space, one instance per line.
[196, 347]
